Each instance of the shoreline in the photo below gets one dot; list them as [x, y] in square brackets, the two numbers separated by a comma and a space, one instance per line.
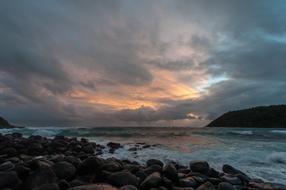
[64, 163]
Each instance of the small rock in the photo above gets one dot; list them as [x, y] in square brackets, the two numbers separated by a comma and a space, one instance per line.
[120, 179]
[200, 166]
[114, 145]
[63, 184]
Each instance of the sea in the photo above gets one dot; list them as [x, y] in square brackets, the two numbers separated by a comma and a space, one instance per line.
[259, 152]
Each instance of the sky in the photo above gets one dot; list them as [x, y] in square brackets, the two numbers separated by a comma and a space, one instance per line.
[139, 63]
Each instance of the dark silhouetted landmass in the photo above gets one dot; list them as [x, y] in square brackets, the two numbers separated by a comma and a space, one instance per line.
[263, 117]
[5, 124]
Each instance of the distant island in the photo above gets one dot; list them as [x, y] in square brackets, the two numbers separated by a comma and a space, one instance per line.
[273, 116]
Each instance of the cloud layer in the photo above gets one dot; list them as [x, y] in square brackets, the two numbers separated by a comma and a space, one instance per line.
[118, 63]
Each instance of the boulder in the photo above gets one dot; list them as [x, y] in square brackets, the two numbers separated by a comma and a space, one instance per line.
[182, 188]
[120, 179]
[200, 166]
[94, 187]
[170, 172]
[225, 186]
[187, 182]
[128, 187]
[8, 179]
[90, 165]
[206, 186]
[152, 180]
[49, 186]
[114, 145]
[231, 170]
[153, 168]
[234, 180]
[154, 161]
[41, 176]
[64, 170]
[7, 166]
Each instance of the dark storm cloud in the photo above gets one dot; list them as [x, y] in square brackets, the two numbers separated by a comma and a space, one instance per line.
[50, 48]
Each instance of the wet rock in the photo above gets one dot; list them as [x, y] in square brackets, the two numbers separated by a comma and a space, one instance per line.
[200, 166]
[64, 170]
[170, 172]
[215, 181]
[182, 188]
[153, 168]
[231, 170]
[153, 162]
[231, 179]
[133, 149]
[73, 160]
[50, 186]
[225, 186]
[120, 179]
[90, 165]
[94, 187]
[266, 186]
[112, 166]
[187, 182]
[41, 176]
[206, 186]
[166, 183]
[22, 171]
[63, 184]
[152, 180]
[7, 166]
[114, 145]
[8, 179]
[213, 173]
[128, 187]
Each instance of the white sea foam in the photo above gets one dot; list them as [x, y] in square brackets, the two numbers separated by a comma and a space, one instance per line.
[244, 132]
[278, 131]
[277, 157]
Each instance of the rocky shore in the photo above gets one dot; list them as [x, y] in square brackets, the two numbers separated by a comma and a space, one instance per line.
[61, 163]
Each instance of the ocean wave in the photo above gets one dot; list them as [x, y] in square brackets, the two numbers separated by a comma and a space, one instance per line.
[245, 132]
[277, 157]
[278, 131]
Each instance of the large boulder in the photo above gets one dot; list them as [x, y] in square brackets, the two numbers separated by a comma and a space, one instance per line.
[64, 170]
[39, 177]
[231, 170]
[128, 187]
[152, 180]
[225, 186]
[120, 179]
[206, 186]
[8, 179]
[200, 166]
[49, 186]
[90, 165]
[170, 172]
